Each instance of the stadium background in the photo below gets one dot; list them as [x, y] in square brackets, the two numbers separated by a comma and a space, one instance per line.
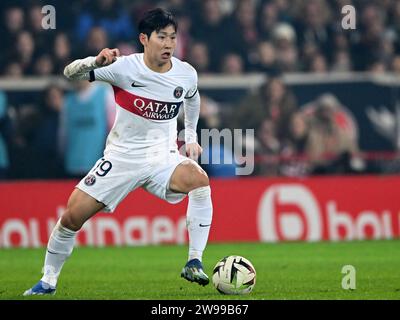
[323, 101]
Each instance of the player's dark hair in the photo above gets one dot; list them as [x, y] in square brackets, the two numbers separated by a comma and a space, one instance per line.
[155, 20]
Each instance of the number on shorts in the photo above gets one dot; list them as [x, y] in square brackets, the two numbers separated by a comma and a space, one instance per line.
[103, 167]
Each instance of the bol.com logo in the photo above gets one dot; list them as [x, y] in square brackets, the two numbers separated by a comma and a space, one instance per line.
[292, 212]
[289, 212]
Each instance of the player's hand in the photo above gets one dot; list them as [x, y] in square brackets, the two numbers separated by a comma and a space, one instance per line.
[107, 56]
[193, 150]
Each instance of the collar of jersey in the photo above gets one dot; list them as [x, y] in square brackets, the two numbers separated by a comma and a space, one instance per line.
[155, 72]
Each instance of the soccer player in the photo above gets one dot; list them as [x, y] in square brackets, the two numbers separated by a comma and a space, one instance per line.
[141, 149]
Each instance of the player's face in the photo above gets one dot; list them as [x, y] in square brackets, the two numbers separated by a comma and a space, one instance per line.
[160, 47]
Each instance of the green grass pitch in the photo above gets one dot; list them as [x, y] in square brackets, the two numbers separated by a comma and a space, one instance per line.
[284, 271]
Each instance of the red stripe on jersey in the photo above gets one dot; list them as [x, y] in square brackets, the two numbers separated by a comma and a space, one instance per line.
[144, 107]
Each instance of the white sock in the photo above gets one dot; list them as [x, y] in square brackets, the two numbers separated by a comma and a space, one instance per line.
[59, 248]
[199, 216]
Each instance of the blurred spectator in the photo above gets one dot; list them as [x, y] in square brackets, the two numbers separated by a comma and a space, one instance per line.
[241, 31]
[184, 35]
[266, 58]
[268, 147]
[25, 49]
[284, 38]
[295, 143]
[313, 24]
[272, 101]
[232, 64]
[332, 145]
[174, 6]
[108, 15]
[5, 132]
[217, 158]
[41, 37]
[221, 161]
[209, 27]
[13, 69]
[396, 64]
[25, 119]
[394, 13]
[370, 47]
[377, 67]
[341, 61]
[267, 19]
[62, 52]
[44, 65]
[219, 155]
[284, 8]
[318, 64]
[199, 58]
[209, 117]
[340, 42]
[46, 138]
[210, 114]
[97, 40]
[84, 127]
[13, 20]
[294, 147]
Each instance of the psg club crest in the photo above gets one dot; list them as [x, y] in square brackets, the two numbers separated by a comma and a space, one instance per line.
[178, 92]
[90, 180]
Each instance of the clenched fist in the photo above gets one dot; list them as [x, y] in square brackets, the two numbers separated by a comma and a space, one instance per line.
[107, 56]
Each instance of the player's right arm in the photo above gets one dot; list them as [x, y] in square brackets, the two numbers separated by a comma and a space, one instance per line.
[81, 69]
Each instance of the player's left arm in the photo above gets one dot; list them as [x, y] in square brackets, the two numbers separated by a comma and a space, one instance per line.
[192, 111]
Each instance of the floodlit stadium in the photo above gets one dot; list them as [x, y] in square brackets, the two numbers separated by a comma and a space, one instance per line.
[275, 141]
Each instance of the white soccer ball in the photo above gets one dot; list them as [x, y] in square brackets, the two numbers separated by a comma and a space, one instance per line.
[234, 275]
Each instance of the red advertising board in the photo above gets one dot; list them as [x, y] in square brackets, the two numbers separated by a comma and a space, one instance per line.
[247, 209]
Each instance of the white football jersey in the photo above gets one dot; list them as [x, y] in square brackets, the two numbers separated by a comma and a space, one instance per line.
[147, 103]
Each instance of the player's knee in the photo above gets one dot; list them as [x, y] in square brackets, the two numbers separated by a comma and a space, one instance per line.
[189, 177]
[198, 180]
[202, 180]
[69, 221]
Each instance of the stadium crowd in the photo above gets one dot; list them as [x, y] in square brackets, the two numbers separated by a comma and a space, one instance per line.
[268, 36]
[39, 134]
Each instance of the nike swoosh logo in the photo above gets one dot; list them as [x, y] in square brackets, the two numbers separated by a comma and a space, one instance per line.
[51, 252]
[135, 85]
[204, 225]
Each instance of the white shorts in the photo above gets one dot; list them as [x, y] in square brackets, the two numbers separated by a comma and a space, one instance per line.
[115, 175]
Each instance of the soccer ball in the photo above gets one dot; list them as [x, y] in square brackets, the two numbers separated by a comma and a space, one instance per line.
[234, 275]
